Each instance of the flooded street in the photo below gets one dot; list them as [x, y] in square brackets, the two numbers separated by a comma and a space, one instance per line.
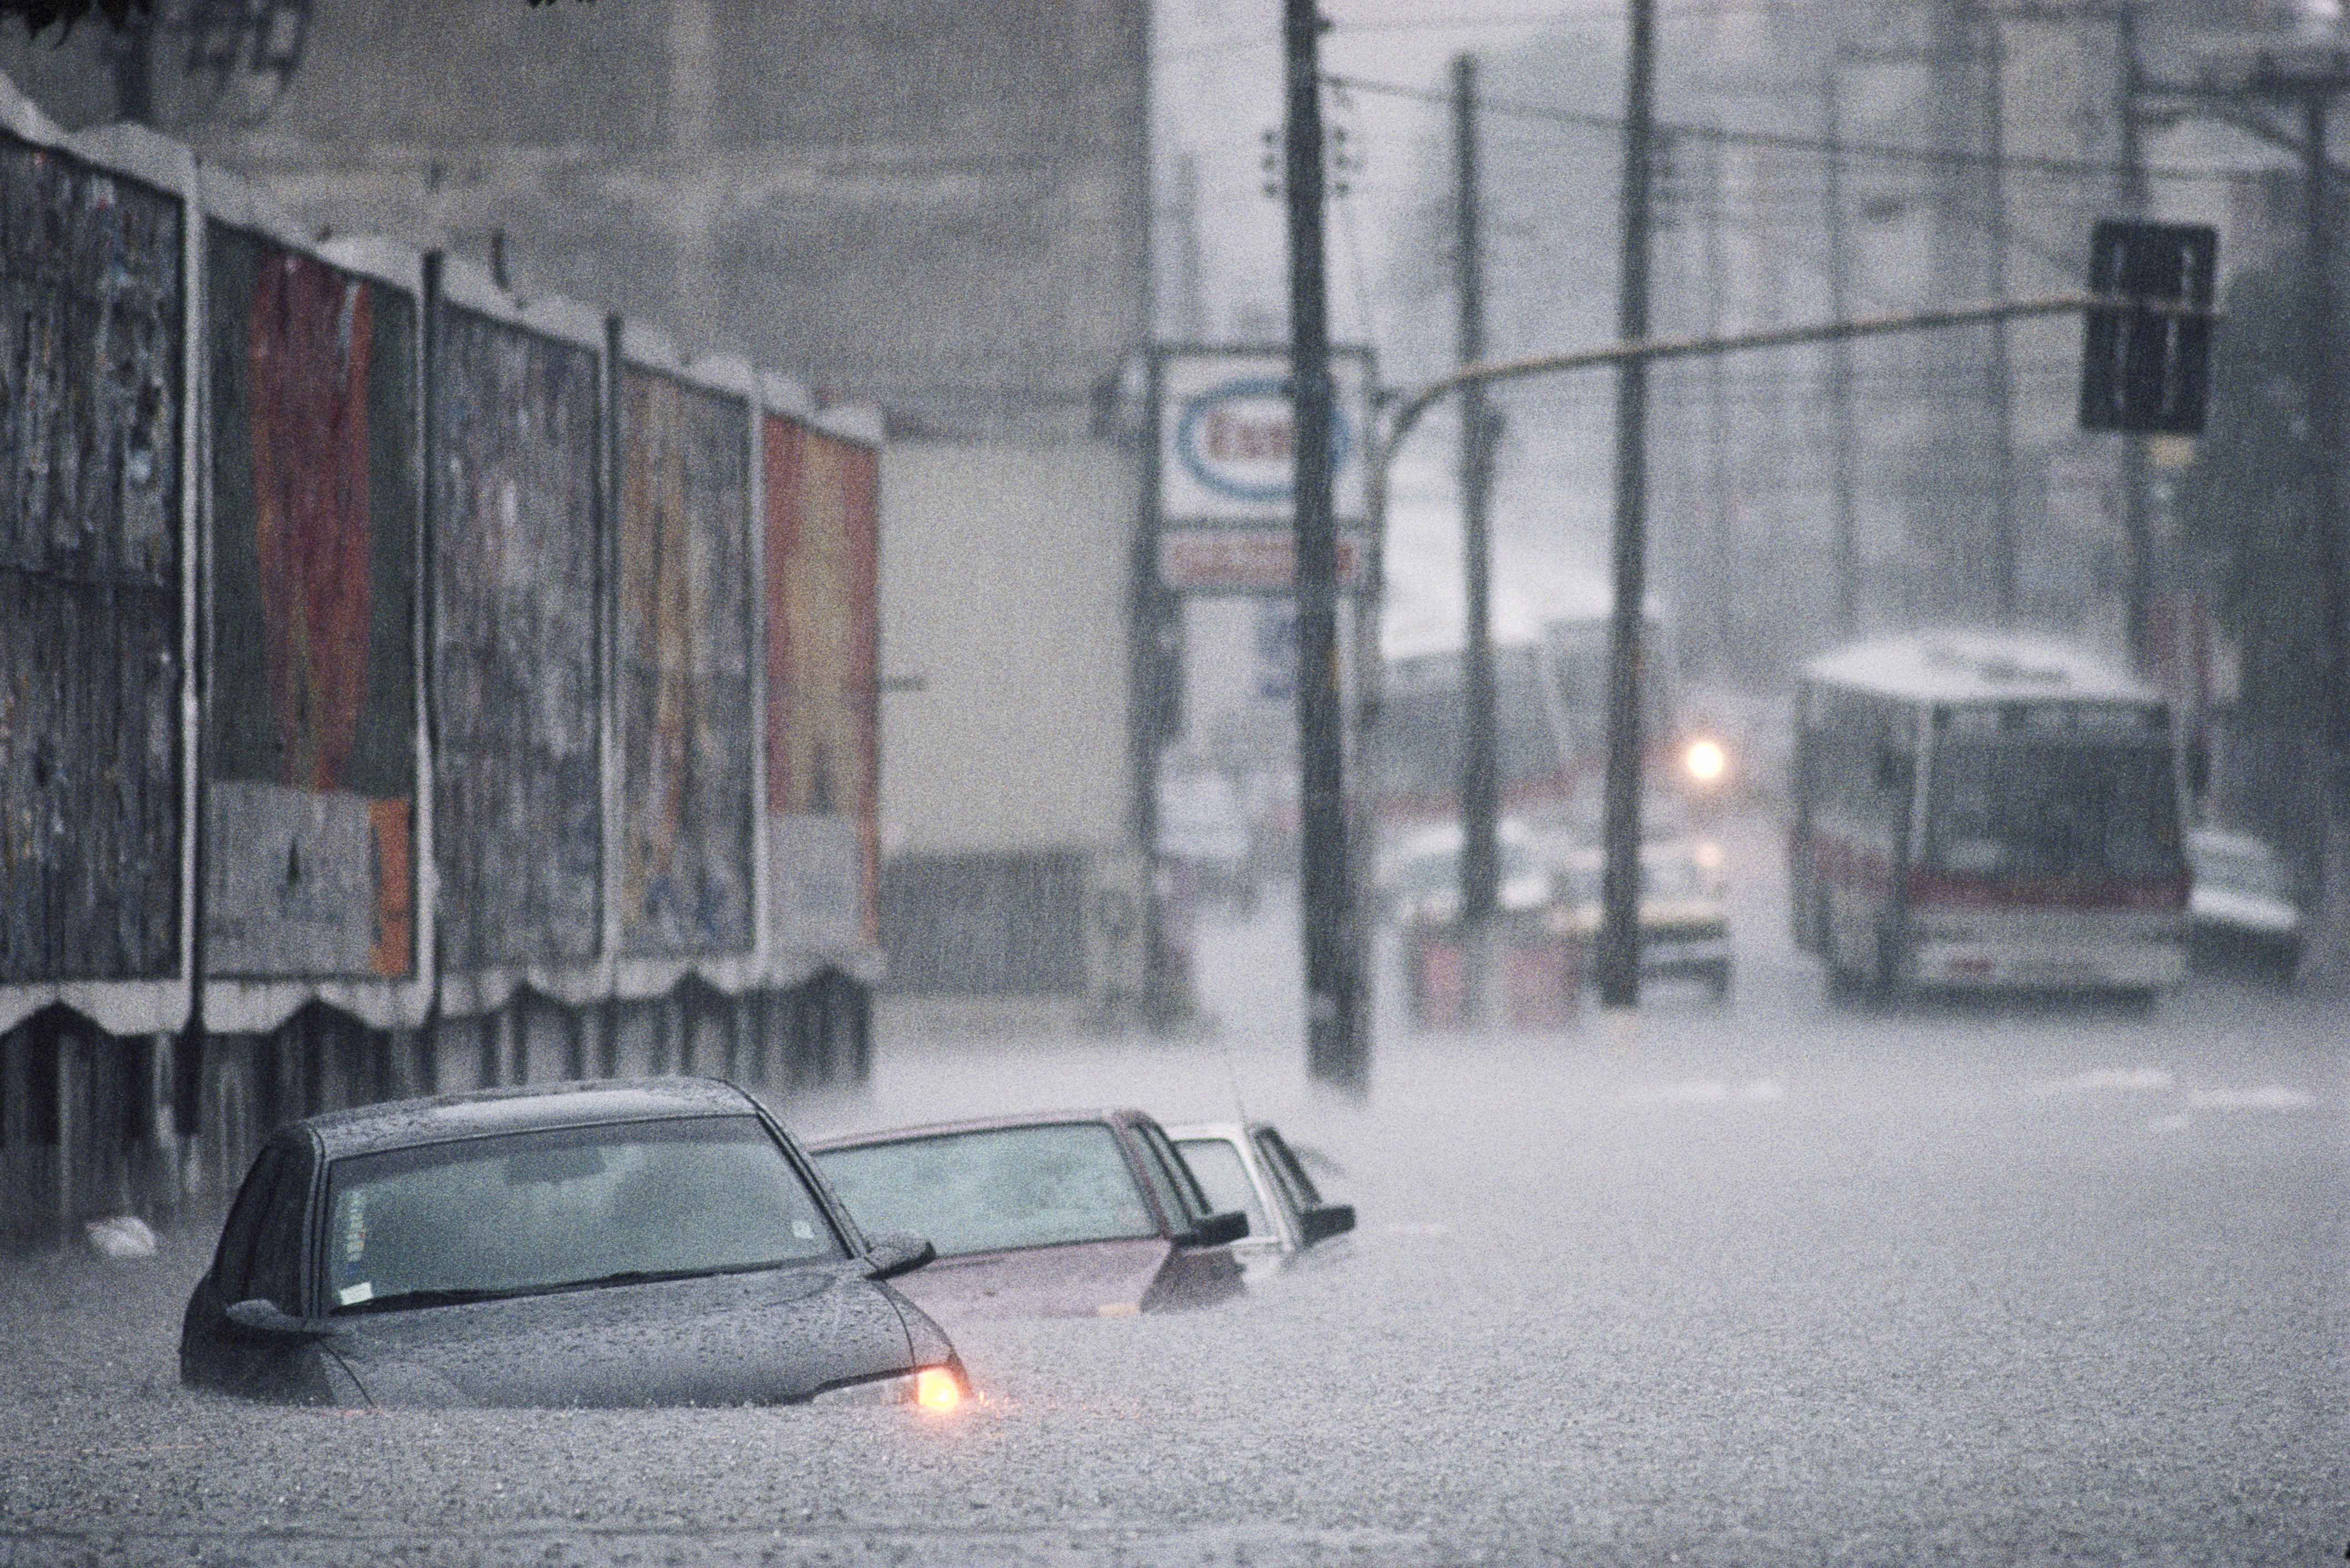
[1770, 1284]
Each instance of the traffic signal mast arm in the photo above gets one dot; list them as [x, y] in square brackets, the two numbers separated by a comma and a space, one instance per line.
[1408, 411]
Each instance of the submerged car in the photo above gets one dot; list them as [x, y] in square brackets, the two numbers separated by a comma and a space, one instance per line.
[1684, 919]
[625, 1243]
[1055, 1215]
[1248, 1166]
[2241, 913]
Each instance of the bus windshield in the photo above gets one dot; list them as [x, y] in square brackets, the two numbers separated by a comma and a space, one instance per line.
[2005, 809]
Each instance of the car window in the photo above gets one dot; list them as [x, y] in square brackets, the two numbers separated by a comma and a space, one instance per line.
[276, 1272]
[1174, 1178]
[1219, 1167]
[996, 1188]
[232, 1263]
[1288, 1170]
[543, 1211]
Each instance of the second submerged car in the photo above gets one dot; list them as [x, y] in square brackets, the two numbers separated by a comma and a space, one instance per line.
[1082, 1213]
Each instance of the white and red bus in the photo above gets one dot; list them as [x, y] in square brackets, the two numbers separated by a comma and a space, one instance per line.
[1980, 812]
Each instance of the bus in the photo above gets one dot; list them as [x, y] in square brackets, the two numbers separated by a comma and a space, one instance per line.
[1986, 813]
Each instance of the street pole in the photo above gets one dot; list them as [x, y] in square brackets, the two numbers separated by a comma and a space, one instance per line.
[2006, 547]
[1336, 1042]
[1842, 438]
[2138, 525]
[1618, 966]
[1481, 790]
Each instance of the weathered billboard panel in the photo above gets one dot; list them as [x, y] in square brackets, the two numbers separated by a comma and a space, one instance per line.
[91, 302]
[310, 731]
[518, 819]
[823, 747]
[684, 669]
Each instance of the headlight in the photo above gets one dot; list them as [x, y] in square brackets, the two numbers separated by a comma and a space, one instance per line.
[930, 1387]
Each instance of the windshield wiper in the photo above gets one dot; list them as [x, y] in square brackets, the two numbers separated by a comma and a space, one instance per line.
[458, 1295]
[650, 1276]
[450, 1296]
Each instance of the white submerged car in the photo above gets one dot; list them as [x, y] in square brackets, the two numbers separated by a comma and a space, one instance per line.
[1247, 1166]
[2241, 913]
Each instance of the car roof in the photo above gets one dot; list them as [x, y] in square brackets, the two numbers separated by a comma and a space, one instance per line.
[402, 1124]
[1959, 665]
[1122, 1116]
[1239, 1132]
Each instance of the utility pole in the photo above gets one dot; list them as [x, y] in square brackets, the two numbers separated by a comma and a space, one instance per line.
[1481, 791]
[1337, 1043]
[1844, 462]
[2137, 523]
[1618, 965]
[2005, 545]
[1730, 645]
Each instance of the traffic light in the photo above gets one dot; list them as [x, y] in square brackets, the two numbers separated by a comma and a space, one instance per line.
[2143, 370]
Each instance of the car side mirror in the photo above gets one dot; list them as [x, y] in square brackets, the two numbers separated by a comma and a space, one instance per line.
[264, 1316]
[893, 1253]
[1323, 1221]
[1217, 1229]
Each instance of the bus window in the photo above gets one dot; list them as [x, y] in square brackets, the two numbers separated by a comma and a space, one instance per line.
[2053, 811]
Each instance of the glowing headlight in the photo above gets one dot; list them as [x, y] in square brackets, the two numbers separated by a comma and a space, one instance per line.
[1706, 761]
[932, 1388]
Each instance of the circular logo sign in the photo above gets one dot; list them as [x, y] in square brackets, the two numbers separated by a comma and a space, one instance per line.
[1237, 439]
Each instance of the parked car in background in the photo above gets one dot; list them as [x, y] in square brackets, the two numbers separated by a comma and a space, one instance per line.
[1684, 921]
[2241, 911]
[1078, 1213]
[1535, 948]
[1248, 1166]
[656, 1242]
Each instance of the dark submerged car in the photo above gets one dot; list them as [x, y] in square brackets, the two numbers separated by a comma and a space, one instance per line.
[1076, 1214]
[661, 1242]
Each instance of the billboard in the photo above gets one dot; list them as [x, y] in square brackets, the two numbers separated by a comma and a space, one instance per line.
[310, 731]
[517, 801]
[823, 745]
[90, 613]
[683, 658]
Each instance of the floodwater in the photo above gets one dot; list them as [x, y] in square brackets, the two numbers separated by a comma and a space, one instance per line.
[1778, 1282]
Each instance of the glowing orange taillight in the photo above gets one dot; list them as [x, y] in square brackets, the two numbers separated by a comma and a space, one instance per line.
[937, 1388]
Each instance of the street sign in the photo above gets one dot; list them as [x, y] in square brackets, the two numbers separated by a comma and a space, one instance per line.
[1249, 560]
[1226, 456]
[2142, 370]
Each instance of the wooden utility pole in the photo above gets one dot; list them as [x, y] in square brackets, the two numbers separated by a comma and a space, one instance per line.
[1336, 1043]
[1618, 966]
[1481, 774]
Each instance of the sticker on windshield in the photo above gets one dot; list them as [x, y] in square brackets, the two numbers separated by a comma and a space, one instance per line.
[351, 1295]
[804, 1230]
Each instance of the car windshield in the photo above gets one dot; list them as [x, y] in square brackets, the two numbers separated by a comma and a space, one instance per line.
[1002, 1188]
[548, 1210]
[1218, 1165]
[2025, 810]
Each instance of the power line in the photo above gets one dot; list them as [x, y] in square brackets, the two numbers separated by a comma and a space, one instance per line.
[2075, 168]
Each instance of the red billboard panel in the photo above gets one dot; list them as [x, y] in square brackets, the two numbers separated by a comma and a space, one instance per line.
[822, 736]
[310, 730]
